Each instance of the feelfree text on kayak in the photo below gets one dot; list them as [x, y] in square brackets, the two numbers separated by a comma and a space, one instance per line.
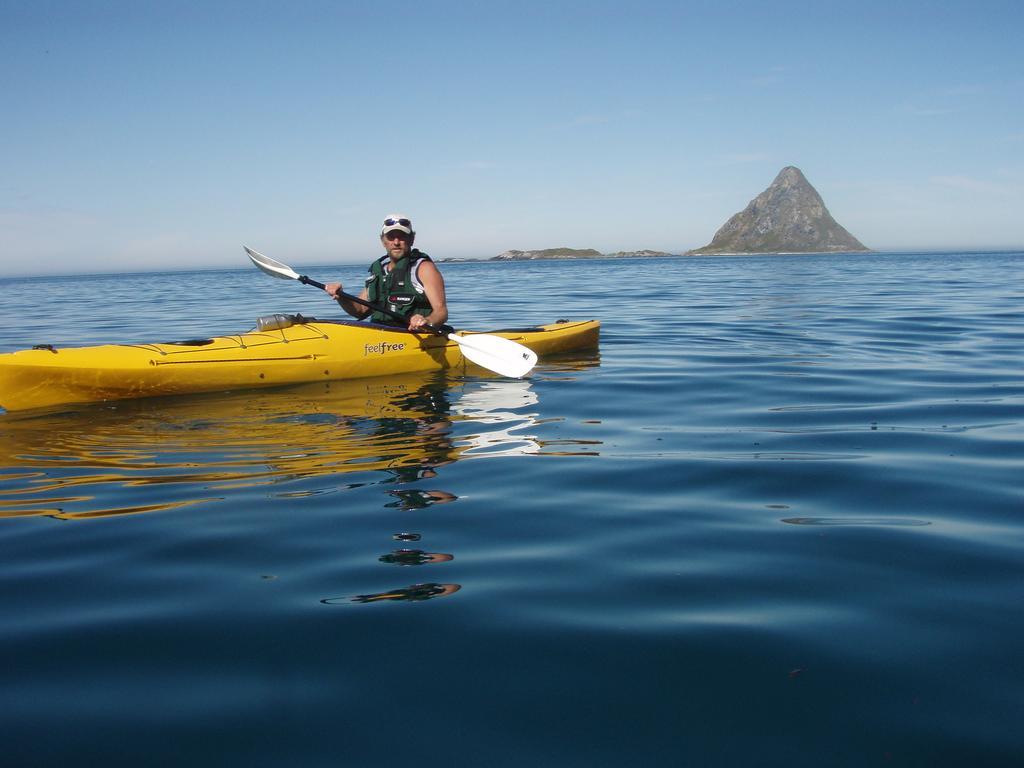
[381, 348]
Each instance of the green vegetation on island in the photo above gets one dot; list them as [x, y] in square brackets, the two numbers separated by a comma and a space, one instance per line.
[549, 253]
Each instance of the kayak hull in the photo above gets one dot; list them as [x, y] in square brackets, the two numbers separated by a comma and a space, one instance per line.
[308, 351]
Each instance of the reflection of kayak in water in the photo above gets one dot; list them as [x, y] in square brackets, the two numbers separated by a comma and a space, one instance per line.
[299, 442]
[415, 593]
[190, 450]
[303, 352]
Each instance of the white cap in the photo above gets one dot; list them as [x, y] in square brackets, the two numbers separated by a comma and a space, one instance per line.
[397, 221]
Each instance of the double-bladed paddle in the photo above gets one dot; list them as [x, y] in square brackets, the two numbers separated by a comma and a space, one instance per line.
[495, 353]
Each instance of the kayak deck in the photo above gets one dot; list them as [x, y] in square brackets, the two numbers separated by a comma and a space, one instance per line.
[311, 350]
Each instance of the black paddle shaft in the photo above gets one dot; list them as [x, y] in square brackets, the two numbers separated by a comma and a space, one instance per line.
[384, 310]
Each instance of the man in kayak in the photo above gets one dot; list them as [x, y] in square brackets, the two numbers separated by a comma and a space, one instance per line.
[404, 280]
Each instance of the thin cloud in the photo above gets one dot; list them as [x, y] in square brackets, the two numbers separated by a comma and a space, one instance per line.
[582, 121]
[741, 158]
[965, 90]
[773, 76]
[973, 185]
[943, 101]
[478, 165]
[590, 120]
[918, 111]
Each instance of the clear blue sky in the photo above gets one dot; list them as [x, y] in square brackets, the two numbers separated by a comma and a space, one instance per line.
[140, 135]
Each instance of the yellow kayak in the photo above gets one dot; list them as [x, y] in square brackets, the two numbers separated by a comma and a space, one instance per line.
[308, 350]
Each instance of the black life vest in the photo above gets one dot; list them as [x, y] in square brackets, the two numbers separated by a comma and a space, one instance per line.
[397, 289]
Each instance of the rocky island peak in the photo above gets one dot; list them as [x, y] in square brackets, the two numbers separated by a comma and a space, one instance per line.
[788, 217]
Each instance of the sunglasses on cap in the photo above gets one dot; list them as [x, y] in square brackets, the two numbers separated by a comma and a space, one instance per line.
[397, 222]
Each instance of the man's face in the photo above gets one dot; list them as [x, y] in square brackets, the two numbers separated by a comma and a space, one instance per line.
[396, 243]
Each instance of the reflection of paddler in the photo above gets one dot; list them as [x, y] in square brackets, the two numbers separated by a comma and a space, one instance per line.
[424, 415]
[424, 418]
[412, 473]
[415, 593]
[415, 557]
[419, 499]
[431, 399]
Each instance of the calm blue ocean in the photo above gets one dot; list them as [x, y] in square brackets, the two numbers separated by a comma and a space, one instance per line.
[778, 519]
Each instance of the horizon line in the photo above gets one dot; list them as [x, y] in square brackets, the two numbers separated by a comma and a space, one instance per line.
[455, 260]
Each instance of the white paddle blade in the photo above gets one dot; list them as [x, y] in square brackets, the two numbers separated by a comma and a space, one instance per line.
[501, 355]
[270, 266]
